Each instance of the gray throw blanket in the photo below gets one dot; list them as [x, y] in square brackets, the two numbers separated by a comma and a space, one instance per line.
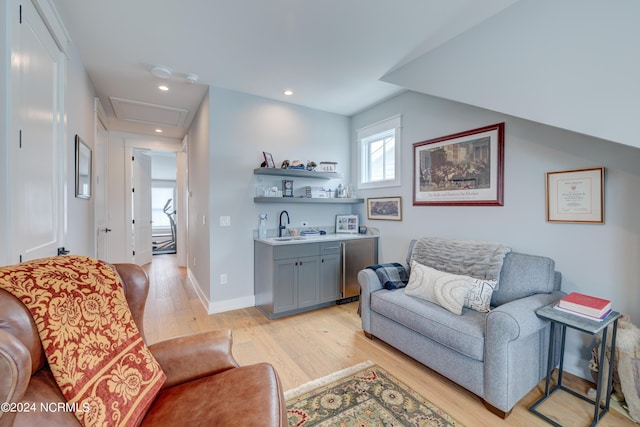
[392, 275]
[481, 260]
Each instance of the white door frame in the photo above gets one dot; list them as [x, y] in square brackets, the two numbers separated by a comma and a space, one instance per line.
[131, 144]
[101, 185]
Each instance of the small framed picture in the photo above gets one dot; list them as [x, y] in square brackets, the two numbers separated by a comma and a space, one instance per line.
[287, 188]
[576, 196]
[389, 208]
[268, 160]
[347, 224]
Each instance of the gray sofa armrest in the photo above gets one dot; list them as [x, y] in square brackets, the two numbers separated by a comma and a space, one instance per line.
[509, 332]
[369, 283]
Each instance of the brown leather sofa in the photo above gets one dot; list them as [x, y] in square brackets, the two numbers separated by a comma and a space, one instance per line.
[205, 385]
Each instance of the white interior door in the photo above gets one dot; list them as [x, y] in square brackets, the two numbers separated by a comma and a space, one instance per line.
[100, 191]
[37, 196]
[141, 196]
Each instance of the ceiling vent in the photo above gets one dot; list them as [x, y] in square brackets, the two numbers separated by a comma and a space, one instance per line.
[142, 112]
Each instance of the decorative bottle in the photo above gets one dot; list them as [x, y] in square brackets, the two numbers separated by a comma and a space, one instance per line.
[262, 228]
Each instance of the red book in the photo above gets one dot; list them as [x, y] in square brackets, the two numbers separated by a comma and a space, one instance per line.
[585, 304]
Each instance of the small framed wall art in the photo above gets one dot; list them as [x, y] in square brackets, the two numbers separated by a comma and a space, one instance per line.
[576, 196]
[347, 224]
[389, 208]
[83, 169]
[268, 160]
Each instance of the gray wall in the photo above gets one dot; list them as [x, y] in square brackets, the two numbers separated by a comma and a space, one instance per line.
[601, 260]
[80, 114]
[242, 127]
[198, 198]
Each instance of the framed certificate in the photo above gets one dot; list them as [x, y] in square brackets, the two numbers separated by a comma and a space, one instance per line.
[576, 196]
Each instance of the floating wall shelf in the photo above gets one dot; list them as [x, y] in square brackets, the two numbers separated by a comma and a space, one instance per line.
[298, 173]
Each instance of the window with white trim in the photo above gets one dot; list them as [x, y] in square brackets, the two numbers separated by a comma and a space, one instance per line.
[379, 154]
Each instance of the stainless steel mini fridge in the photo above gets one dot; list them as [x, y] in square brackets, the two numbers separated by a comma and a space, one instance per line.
[356, 255]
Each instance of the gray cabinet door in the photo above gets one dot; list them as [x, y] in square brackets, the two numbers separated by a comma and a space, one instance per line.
[330, 277]
[285, 285]
[308, 280]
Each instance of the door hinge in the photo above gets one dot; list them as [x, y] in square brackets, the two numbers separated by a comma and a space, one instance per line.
[20, 258]
[20, 19]
[20, 138]
[133, 190]
[133, 158]
[134, 253]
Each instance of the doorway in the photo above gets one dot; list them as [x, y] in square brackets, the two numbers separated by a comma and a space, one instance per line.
[163, 203]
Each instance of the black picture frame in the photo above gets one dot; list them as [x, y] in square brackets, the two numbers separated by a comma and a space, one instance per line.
[83, 168]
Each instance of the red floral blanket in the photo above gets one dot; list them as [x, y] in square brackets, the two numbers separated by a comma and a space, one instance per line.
[94, 349]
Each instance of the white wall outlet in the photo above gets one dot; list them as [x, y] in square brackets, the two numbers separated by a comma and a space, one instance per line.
[304, 224]
[225, 221]
[223, 279]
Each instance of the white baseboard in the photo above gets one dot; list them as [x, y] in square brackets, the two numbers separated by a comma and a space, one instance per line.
[231, 304]
[219, 306]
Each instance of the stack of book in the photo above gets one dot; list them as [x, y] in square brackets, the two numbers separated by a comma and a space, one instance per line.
[585, 305]
[315, 192]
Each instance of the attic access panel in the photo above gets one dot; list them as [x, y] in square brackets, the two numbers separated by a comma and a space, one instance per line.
[142, 112]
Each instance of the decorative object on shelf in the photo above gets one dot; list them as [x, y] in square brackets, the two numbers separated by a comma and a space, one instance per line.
[576, 196]
[362, 229]
[262, 228]
[298, 173]
[297, 164]
[463, 169]
[311, 165]
[389, 208]
[315, 192]
[83, 169]
[285, 164]
[268, 160]
[347, 224]
[327, 167]
[287, 188]
[340, 192]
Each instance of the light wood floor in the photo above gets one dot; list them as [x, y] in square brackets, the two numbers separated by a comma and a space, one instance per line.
[311, 345]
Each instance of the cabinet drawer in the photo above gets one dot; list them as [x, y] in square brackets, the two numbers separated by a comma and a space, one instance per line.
[327, 248]
[296, 250]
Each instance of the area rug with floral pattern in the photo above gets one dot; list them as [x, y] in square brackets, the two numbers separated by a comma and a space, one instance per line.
[363, 395]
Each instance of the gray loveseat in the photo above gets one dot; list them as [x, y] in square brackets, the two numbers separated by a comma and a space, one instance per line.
[500, 355]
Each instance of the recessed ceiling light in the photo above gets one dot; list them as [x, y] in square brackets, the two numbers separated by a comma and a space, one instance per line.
[163, 88]
[158, 130]
[288, 92]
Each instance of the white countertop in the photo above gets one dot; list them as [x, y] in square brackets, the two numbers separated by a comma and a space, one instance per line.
[293, 240]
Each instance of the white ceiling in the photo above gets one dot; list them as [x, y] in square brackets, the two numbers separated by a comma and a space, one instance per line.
[331, 53]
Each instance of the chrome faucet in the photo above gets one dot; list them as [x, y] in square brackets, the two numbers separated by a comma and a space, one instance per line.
[282, 227]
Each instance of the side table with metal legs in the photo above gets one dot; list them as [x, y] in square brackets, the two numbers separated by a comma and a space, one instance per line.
[563, 320]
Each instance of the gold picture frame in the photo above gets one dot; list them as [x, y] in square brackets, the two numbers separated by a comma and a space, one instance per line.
[575, 196]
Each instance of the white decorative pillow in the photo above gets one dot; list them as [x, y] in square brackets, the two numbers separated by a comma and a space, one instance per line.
[479, 296]
[438, 287]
